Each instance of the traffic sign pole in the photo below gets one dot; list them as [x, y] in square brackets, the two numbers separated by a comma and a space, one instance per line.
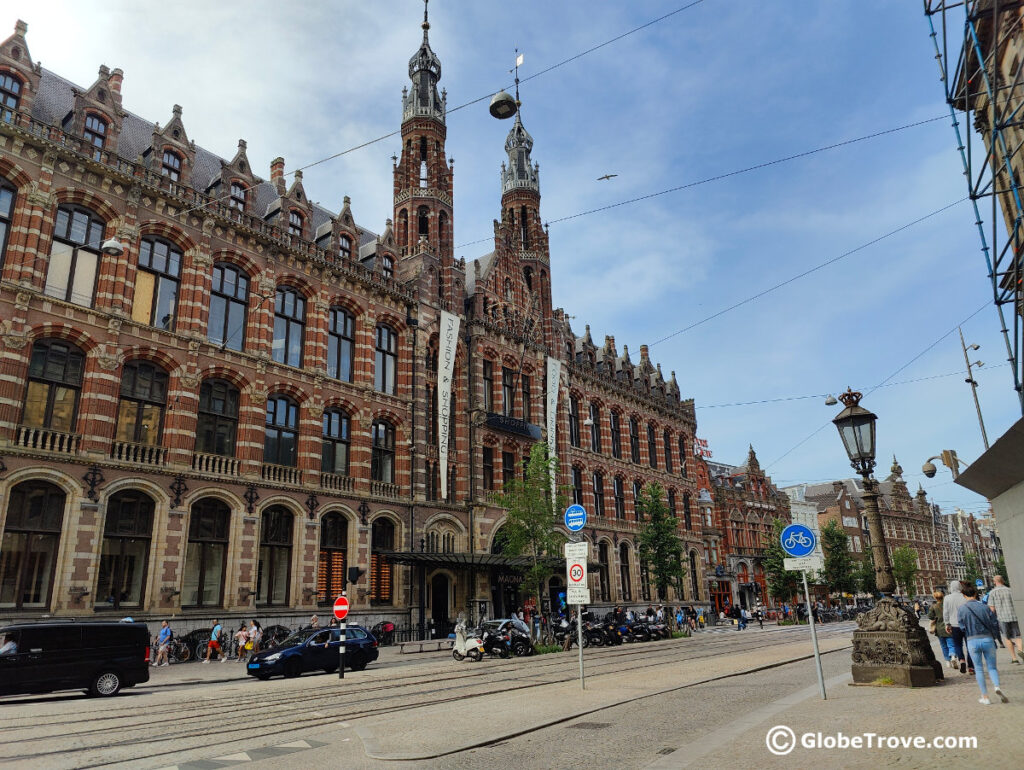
[814, 637]
[799, 541]
[341, 607]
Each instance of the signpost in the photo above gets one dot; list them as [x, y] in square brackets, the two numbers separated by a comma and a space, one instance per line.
[979, 583]
[576, 591]
[340, 612]
[798, 541]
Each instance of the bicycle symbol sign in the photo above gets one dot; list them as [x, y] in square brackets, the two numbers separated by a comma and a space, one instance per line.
[797, 540]
[576, 572]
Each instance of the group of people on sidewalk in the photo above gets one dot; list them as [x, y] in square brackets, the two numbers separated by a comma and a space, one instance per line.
[969, 631]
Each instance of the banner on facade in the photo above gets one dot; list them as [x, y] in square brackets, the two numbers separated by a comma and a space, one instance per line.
[554, 375]
[448, 345]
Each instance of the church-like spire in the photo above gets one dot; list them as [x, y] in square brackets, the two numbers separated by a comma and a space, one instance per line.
[520, 173]
[424, 72]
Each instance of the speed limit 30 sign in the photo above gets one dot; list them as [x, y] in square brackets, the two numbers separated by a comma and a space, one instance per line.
[576, 573]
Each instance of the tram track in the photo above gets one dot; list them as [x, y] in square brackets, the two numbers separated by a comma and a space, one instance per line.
[301, 710]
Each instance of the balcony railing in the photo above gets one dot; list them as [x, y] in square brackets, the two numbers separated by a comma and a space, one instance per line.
[47, 440]
[384, 489]
[216, 464]
[143, 454]
[281, 474]
[336, 482]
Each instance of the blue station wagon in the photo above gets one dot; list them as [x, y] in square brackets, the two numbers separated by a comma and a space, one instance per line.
[315, 649]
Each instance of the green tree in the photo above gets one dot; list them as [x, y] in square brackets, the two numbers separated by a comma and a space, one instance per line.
[972, 569]
[904, 568]
[865, 574]
[782, 584]
[660, 547]
[1001, 570]
[838, 572]
[532, 518]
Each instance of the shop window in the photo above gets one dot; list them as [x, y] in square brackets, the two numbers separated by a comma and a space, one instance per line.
[28, 553]
[126, 535]
[206, 557]
[274, 567]
[382, 540]
[330, 571]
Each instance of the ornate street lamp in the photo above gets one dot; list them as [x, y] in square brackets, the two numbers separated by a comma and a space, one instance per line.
[889, 645]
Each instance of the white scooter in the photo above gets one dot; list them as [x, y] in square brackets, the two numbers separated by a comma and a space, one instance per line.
[466, 646]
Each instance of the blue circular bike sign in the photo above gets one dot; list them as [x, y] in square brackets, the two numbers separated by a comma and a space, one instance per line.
[797, 540]
[575, 517]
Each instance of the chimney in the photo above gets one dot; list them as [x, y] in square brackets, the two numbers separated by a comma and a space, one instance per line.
[176, 110]
[104, 71]
[20, 28]
[241, 144]
[277, 174]
[643, 353]
[115, 80]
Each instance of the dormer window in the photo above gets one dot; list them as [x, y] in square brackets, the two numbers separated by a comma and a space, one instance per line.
[10, 95]
[345, 247]
[295, 223]
[95, 134]
[171, 166]
[387, 267]
[237, 199]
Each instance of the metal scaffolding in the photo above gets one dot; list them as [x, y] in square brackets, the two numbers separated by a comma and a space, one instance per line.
[979, 46]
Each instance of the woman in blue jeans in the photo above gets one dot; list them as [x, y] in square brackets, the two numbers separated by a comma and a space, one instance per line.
[980, 629]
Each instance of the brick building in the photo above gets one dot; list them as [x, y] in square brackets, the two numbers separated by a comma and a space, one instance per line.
[217, 396]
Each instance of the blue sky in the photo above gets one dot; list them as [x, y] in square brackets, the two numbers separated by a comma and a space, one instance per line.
[715, 88]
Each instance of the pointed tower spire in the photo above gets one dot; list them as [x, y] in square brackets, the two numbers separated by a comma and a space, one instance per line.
[520, 172]
[424, 72]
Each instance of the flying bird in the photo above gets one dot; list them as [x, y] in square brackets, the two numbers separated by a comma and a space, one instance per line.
[606, 176]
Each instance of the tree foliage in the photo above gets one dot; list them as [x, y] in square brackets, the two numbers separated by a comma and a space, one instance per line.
[532, 517]
[658, 538]
[904, 568]
[865, 574]
[838, 574]
[972, 569]
[782, 584]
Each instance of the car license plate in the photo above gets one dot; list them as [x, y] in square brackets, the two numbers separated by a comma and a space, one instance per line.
[254, 665]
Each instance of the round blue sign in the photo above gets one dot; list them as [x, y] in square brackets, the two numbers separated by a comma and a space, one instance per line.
[575, 517]
[797, 540]
[979, 583]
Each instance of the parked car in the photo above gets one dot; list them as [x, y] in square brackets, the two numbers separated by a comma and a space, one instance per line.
[100, 658]
[315, 649]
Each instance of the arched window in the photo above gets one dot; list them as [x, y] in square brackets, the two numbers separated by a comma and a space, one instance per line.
[274, 567]
[7, 196]
[382, 540]
[595, 428]
[341, 344]
[217, 425]
[423, 221]
[74, 255]
[620, 498]
[687, 512]
[382, 464]
[345, 247]
[10, 96]
[280, 441]
[335, 455]
[95, 134]
[668, 451]
[616, 429]
[126, 535]
[156, 283]
[634, 440]
[330, 572]
[624, 575]
[295, 222]
[387, 266]
[598, 484]
[229, 299]
[28, 554]
[237, 199]
[54, 382]
[602, 572]
[170, 167]
[140, 411]
[289, 326]
[652, 446]
[206, 559]
[385, 360]
[574, 421]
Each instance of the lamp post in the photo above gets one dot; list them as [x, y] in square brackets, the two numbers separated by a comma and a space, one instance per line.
[889, 645]
[973, 383]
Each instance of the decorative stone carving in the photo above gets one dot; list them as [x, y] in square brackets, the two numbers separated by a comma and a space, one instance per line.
[189, 380]
[21, 300]
[193, 346]
[114, 325]
[891, 644]
[108, 363]
[315, 407]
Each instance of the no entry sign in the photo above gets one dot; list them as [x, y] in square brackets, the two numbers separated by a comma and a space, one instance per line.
[340, 607]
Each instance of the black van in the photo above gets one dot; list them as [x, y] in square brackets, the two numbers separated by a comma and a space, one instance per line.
[99, 658]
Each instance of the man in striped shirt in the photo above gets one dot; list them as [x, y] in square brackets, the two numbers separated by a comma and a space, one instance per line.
[1001, 603]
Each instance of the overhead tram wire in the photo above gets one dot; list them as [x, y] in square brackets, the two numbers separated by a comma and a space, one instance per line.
[479, 99]
[807, 272]
[880, 384]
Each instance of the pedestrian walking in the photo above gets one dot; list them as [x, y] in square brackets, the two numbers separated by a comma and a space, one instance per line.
[938, 627]
[980, 629]
[950, 613]
[241, 639]
[1001, 603]
[214, 643]
[255, 636]
[163, 642]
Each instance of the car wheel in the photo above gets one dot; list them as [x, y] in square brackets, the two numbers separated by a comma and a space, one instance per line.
[330, 669]
[520, 650]
[263, 677]
[105, 684]
[292, 668]
[358, 662]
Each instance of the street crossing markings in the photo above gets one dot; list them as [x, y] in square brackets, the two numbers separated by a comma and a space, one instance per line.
[240, 757]
[294, 745]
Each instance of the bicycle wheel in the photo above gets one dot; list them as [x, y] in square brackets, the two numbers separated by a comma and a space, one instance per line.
[183, 653]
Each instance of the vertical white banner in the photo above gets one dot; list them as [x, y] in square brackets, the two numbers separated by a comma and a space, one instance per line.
[554, 375]
[449, 344]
